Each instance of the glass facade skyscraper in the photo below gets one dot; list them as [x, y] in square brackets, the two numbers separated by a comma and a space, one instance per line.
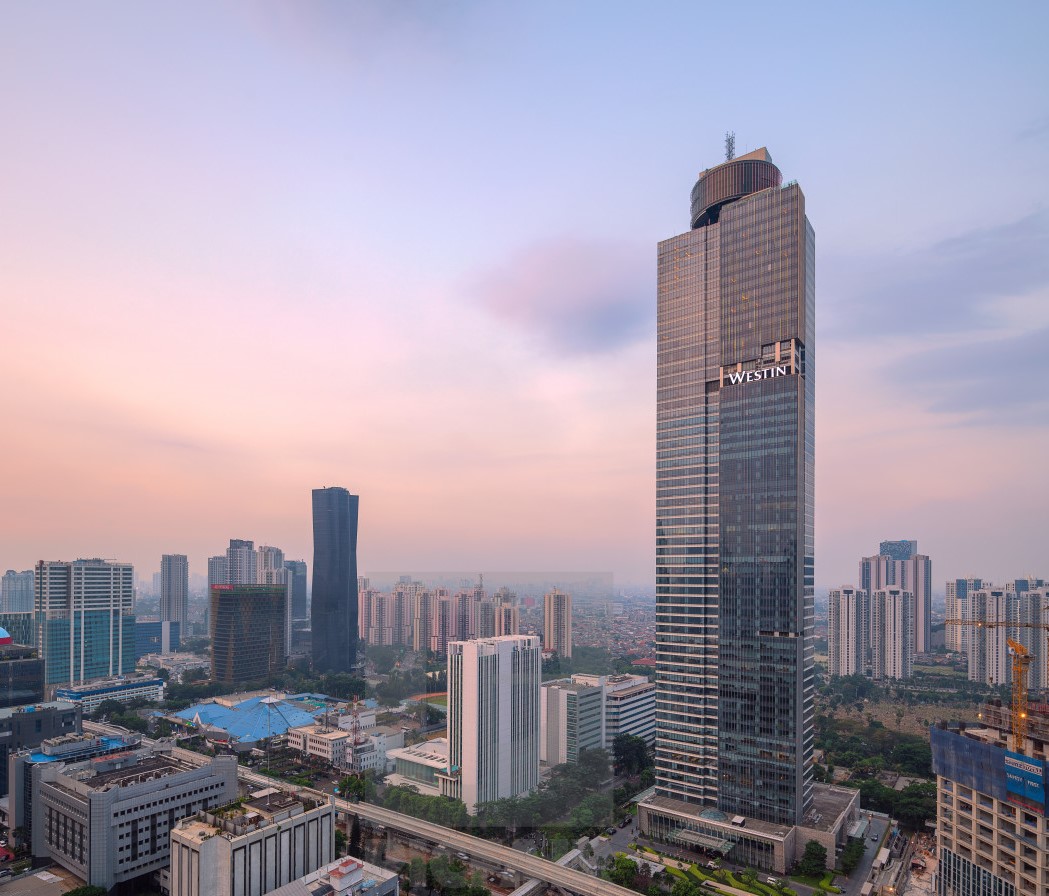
[734, 498]
[333, 611]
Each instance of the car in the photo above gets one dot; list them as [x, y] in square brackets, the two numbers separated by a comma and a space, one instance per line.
[771, 881]
[626, 821]
[6, 872]
[610, 831]
[874, 836]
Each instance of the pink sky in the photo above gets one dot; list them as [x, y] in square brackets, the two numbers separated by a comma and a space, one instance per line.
[252, 250]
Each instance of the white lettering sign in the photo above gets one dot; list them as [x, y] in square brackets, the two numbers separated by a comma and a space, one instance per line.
[748, 376]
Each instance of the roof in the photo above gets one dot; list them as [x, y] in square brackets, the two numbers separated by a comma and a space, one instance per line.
[250, 720]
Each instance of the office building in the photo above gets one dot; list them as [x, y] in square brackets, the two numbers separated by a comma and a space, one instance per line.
[16, 592]
[630, 705]
[557, 623]
[248, 625]
[21, 673]
[493, 719]
[297, 579]
[899, 564]
[572, 719]
[20, 626]
[992, 821]
[334, 604]
[345, 877]
[734, 526]
[251, 847]
[26, 727]
[155, 636]
[24, 769]
[109, 820]
[174, 588]
[848, 631]
[122, 690]
[419, 766]
[85, 620]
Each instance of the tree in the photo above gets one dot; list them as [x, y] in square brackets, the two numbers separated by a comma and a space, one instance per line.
[814, 860]
[852, 855]
[684, 888]
[107, 708]
[340, 843]
[623, 870]
[355, 847]
[630, 754]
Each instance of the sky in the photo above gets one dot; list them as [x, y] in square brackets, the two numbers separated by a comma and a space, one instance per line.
[251, 249]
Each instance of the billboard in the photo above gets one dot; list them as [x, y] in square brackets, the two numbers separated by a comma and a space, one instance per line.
[1025, 780]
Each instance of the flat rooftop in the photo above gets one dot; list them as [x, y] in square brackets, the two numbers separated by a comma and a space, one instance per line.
[829, 803]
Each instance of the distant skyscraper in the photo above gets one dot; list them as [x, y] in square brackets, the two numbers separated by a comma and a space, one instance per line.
[734, 505]
[248, 631]
[334, 607]
[848, 636]
[557, 623]
[241, 562]
[174, 588]
[493, 719]
[297, 571]
[17, 592]
[891, 635]
[218, 571]
[85, 619]
[899, 563]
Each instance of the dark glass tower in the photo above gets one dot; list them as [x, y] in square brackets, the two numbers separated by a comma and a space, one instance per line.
[334, 610]
[734, 498]
[297, 571]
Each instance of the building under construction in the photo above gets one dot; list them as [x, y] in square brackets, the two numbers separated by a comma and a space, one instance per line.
[992, 826]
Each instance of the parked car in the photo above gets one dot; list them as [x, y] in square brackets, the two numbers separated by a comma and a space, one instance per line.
[771, 881]
[712, 865]
[626, 821]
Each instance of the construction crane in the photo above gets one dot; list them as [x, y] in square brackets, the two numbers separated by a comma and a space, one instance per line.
[1020, 665]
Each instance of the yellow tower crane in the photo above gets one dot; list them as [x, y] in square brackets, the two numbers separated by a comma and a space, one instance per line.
[1020, 666]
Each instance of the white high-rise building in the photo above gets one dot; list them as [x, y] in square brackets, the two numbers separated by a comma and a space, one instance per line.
[848, 631]
[17, 592]
[241, 563]
[174, 588]
[892, 642]
[899, 564]
[493, 719]
[557, 623]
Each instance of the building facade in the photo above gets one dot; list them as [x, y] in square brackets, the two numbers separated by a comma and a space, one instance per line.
[123, 690]
[109, 820]
[572, 718]
[557, 623]
[493, 719]
[174, 588]
[85, 619]
[899, 564]
[26, 727]
[334, 605]
[248, 625]
[848, 631]
[734, 501]
[251, 848]
[297, 579]
[21, 673]
[16, 592]
[155, 636]
[992, 822]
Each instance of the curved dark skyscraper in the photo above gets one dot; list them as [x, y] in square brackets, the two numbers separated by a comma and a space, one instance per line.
[334, 609]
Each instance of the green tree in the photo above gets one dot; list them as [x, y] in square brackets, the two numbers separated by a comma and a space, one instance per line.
[340, 843]
[852, 855]
[814, 860]
[630, 754]
[356, 848]
[684, 887]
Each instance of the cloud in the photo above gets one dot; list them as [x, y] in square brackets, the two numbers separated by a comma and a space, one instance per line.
[951, 286]
[576, 296]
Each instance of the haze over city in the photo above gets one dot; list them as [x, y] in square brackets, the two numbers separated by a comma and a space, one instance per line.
[253, 249]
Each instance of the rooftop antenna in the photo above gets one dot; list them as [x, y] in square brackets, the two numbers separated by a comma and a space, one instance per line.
[730, 145]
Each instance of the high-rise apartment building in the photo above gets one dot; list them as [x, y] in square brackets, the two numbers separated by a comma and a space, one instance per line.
[248, 625]
[735, 437]
[334, 608]
[899, 564]
[557, 623]
[891, 633]
[241, 562]
[493, 719]
[16, 592]
[174, 588]
[848, 639]
[85, 619]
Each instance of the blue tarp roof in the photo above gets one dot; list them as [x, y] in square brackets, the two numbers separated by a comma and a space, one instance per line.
[253, 719]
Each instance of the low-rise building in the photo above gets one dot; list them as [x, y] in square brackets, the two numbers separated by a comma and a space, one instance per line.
[332, 745]
[25, 727]
[346, 877]
[109, 820]
[630, 705]
[419, 765]
[251, 847]
[122, 690]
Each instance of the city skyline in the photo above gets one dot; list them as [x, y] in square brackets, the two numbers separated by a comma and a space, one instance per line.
[446, 237]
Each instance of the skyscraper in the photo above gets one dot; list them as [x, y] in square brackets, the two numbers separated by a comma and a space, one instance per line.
[85, 619]
[16, 592]
[248, 625]
[493, 719]
[557, 623]
[174, 588]
[241, 562]
[334, 608]
[899, 563]
[734, 508]
[297, 572]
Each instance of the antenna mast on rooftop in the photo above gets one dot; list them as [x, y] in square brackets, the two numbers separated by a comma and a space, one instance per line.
[730, 145]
